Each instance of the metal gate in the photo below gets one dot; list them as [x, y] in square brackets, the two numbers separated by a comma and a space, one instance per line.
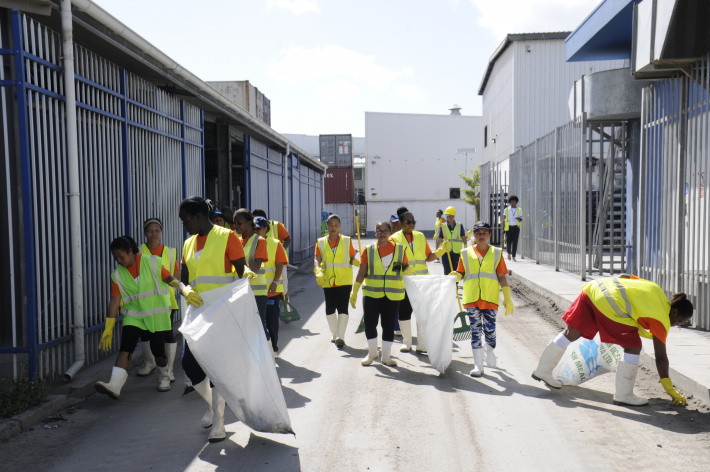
[140, 152]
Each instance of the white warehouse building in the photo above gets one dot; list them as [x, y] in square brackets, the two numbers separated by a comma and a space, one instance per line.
[415, 160]
[526, 91]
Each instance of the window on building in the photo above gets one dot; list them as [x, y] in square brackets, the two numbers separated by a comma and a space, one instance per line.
[454, 193]
[358, 173]
[485, 136]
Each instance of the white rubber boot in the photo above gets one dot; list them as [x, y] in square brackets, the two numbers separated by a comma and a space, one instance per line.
[271, 348]
[217, 433]
[625, 379]
[372, 353]
[478, 355]
[114, 386]
[421, 341]
[163, 379]
[205, 391]
[333, 325]
[491, 360]
[342, 325]
[387, 352]
[548, 361]
[149, 364]
[406, 327]
[170, 350]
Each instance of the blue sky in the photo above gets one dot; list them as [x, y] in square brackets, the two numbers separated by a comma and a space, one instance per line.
[323, 63]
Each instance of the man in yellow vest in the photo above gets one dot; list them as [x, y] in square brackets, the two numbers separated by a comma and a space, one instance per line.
[512, 217]
[621, 309]
[455, 233]
[483, 271]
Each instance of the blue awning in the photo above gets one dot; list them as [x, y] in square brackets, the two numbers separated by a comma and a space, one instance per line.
[605, 34]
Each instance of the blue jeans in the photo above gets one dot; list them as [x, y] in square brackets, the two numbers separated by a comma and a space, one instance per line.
[483, 322]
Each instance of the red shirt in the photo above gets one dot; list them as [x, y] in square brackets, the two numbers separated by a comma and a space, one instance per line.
[134, 270]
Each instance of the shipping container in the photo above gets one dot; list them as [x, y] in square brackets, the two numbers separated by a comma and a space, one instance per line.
[346, 213]
[336, 150]
[246, 96]
[339, 185]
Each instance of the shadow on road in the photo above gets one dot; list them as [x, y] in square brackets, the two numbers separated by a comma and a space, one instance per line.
[258, 454]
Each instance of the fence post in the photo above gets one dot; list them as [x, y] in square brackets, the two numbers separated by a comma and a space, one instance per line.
[555, 201]
[583, 194]
[682, 158]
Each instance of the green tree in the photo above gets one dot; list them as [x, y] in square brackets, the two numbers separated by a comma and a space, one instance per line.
[472, 191]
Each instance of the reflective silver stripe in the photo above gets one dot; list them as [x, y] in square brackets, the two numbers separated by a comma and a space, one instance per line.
[384, 277]
[259, 287]
[464, 258]
[382, 289]
[472, 276]
[271, 270]
[157, 311]
[421, 272]
[322, 248]
[252, 249]
[610, 299]
[337, 264]
[260, 271]
[417, 262]
[213, 279]
[480, 275]
[370, 260]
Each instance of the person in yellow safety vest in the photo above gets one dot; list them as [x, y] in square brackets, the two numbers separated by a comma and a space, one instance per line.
[256, 253]
[274, 267]
[382, 266]
[483, 271]
[512, 218]
[212, 257]
[455, 233]
[418, 253]
[621, 309]
[153, 231]
[440, 220]
[277, 230]
[140, 282]
[333, 267]
[217, 218]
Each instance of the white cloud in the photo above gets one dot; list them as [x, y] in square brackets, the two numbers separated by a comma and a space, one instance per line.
[502, 17]
[410, 92]
[339, 91]
[295, 6]
[299, 65]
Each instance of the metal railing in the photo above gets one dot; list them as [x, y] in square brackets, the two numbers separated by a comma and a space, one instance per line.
[673, 207]
[140, 152]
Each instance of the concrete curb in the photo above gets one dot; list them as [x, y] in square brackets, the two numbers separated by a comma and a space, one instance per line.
[62, 396]
[684, 383]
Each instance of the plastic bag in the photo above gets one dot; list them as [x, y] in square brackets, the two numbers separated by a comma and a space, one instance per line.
[433, 301]
[585, 359]
[227, 338]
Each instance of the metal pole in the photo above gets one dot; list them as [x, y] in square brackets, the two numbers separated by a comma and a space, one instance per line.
[682, 163]
[74, 191]
[555, 201]
[582, 195]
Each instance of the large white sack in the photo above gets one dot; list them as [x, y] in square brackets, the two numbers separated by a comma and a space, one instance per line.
[227, 338]
[585, 359]
[433, 300]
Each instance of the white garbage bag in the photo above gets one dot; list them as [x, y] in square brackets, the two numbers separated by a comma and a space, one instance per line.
[227, 338]
[433, 300]
[585, 359]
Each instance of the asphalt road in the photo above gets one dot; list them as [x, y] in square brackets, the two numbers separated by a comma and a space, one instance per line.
[353, 418]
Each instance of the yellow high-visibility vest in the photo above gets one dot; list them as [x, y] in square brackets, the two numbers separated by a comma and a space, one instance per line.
[416, 250]
[336, 265]
[168, 259]
[269, 266]
[508, 215]
[207, 271]
[381, 281]
[258, 283]
[146, 303]
[627, 300]
[455, 237]
[480, 280]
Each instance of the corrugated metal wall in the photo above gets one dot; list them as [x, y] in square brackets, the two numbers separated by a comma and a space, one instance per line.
[134, 142]
[346, 213]
[306, 205]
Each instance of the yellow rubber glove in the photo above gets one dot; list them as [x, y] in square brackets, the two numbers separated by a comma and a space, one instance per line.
[443, 249]
[107, 337]
[248, 273]
[469, 233]
[356, 262]
[320, 276]
[191, 297]
[353, 294]
[456, 276]
[507, 301]
[678, 399]
[408, 271]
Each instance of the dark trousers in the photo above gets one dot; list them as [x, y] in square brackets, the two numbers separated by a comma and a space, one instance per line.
[273, 311]
[337, 298]
[191, 367]
[405, 309]
[261, 301]
[512, 236]
[382, 310]
[131, 334]
[454, 261]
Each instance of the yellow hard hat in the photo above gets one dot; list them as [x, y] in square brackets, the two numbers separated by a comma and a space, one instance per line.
[450, 211]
